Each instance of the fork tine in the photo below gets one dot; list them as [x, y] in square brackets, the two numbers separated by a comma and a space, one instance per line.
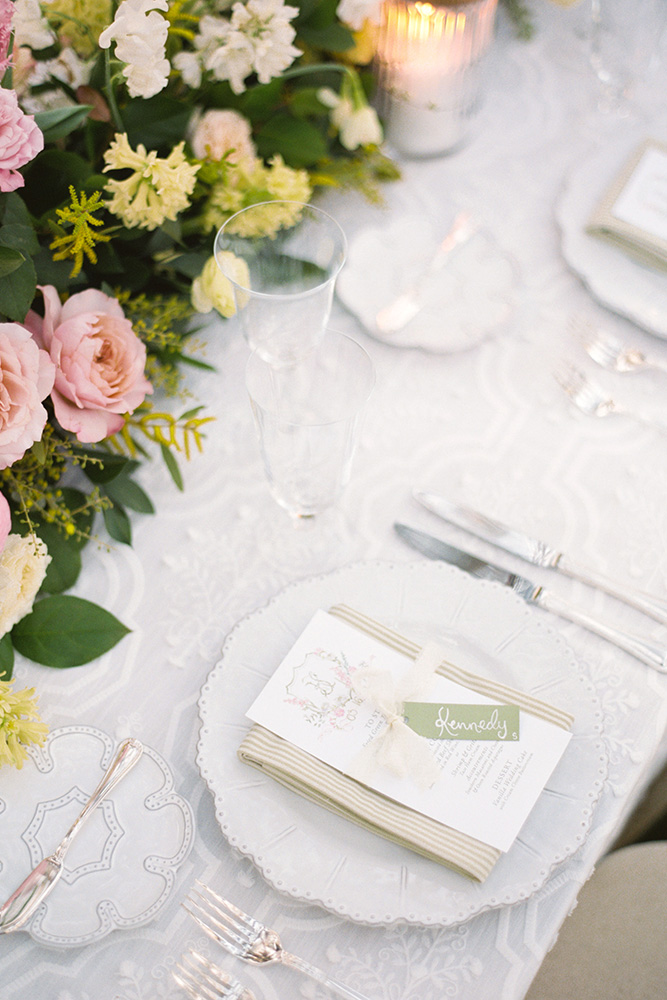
[231, 933]
[228, 910]
[210, 981]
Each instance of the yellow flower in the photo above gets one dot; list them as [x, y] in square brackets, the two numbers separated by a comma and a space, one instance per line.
[245, 185]
[19, 724]
[80, 22]
[158, 189]
[212, 290]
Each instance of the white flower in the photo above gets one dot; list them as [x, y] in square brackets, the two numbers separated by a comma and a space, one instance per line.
[256, 39]
[23, 565]
[353, 13]
[357, 123]
[30, 28]
[217, 133]
[140, 33]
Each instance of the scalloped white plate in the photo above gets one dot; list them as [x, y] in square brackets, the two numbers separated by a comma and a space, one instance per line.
[313, 855]
[121, 867]
[474, 295]
[616, 280]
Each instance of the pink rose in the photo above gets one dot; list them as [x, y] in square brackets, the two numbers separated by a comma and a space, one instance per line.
[5, 521]
[99, 361]
[26, 378]
[6, 15]
[20, 140]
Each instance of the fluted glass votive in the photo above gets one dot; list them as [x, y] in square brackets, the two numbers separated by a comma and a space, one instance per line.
[430, 68]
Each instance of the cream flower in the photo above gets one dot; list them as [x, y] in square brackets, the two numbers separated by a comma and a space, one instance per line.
[247, 183]
[356, 122]
[30, 27]
[140, 34]
[23, 565]
[212, 290]
[355, 12]
[19, 724]
[158, 188]
[218, 133]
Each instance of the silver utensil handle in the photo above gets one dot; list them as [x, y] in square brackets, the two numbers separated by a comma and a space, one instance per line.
[652, 653]
[127, 756]
[294, 962]
[647, 603]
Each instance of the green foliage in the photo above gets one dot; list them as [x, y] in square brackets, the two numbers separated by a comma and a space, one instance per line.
[64, 631]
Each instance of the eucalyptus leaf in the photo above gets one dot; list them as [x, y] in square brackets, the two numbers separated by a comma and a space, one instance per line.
[17, 290]
[126, 492]
[118, 524]
[65, 631]
[6, 657]
[172, 466]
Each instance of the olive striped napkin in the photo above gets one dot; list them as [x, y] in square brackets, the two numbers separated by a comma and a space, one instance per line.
[320, 783]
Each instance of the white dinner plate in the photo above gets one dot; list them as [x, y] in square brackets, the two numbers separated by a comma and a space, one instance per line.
[473, 296]
[121, 866]
[313, 855]
[630, 288]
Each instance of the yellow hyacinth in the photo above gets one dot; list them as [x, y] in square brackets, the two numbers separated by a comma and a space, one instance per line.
[20, 724]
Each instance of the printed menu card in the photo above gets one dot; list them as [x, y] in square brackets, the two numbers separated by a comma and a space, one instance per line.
[471, 756]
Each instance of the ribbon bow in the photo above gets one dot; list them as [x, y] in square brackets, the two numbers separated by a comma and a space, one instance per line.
[397, 748]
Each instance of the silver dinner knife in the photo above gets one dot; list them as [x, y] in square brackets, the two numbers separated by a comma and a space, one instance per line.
[23, 902]
[537, 553]
[652, 653]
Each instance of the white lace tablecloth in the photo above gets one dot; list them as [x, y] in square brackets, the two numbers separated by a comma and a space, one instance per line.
[489, 426]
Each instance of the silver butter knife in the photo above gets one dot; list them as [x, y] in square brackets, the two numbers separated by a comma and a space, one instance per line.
[645, 650]
[398, 313]
[537, 553]
[23, 902]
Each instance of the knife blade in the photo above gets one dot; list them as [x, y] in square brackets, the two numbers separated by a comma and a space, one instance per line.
[536, 552]
[20, 906]
[649, 652]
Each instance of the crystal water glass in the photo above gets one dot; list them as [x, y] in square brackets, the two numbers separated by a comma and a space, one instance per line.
[282, 259]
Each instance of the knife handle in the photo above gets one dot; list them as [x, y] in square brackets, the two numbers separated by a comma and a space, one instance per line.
[652, 653]
[650, 605]
[128, 754]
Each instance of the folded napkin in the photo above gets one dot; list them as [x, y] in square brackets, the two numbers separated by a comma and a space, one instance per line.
[646, 247]
[320, 783]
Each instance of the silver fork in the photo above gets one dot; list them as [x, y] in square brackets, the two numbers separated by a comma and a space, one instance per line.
[608, 352]
[203, 980]
[248, 939]
[592, 400]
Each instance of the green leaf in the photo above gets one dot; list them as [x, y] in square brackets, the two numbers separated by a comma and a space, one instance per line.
[55, 272]
[65, 631]
[118, 524]
[172, 466]
[19, 237]
[17, 290]
[158, 122]
[126, 492]
[299, 142]
[334, 38]
[65, 566]
[16, 211]
[190, 264]
[59, 122]
[259, 101]
[48, 178]
[107, 466]
[10, 260]
[6, 657]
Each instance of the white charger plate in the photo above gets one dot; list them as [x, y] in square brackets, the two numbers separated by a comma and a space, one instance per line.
[630, 288]
[312, 855]
[474, 295]
[121, 866]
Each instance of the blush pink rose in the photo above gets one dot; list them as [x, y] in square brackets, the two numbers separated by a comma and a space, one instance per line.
[99, 361]
[26, 378]
[5, 521]
[20, 140]
[6, 15]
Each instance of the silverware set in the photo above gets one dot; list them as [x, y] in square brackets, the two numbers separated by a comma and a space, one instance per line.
[609, 353]
[243, 937]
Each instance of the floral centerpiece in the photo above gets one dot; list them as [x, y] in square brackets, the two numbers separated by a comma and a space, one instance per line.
[129, 132]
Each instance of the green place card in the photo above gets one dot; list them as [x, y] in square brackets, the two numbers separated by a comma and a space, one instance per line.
[462, 722]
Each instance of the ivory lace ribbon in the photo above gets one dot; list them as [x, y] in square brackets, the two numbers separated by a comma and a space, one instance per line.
[397, 748]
